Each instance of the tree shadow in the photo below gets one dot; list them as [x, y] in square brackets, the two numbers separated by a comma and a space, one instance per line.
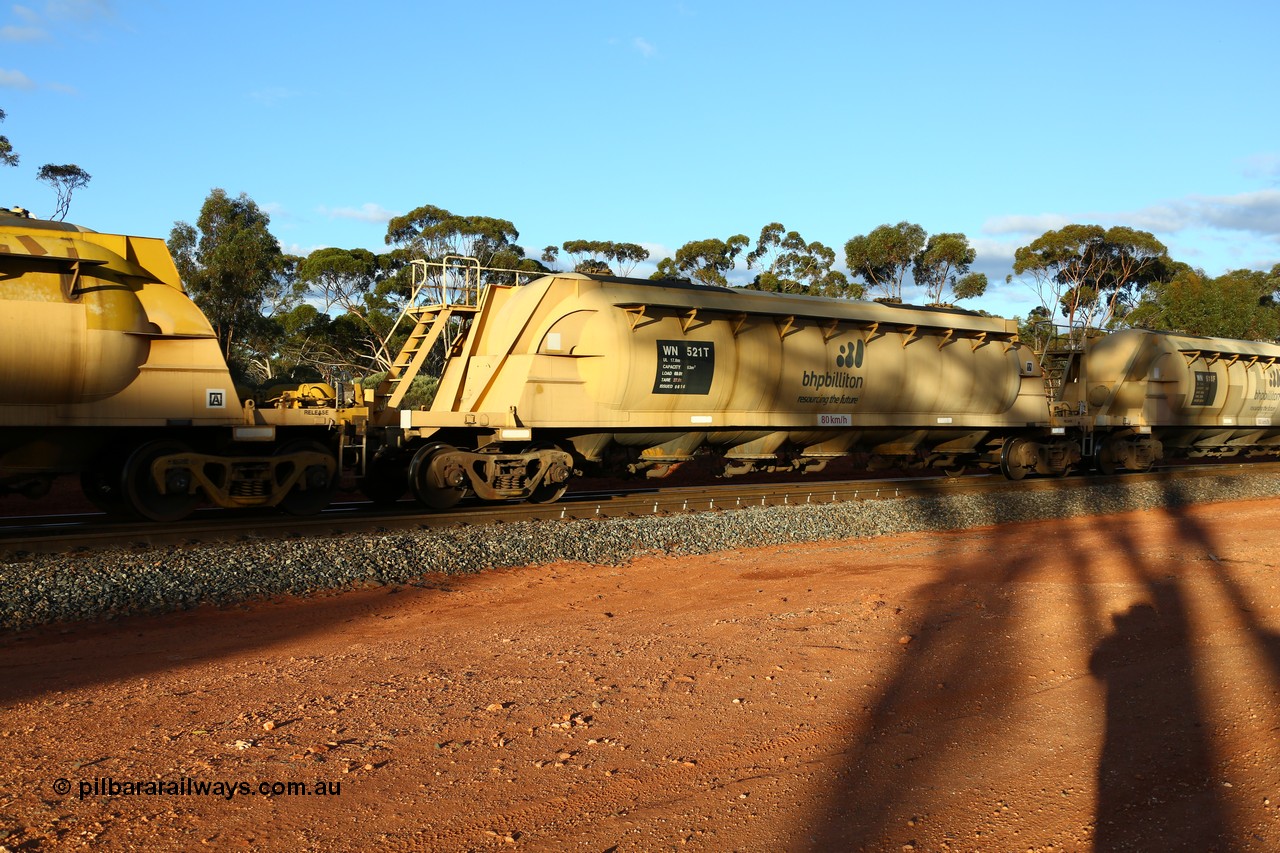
[66, 657]
[1156, 781]
[1139, 687]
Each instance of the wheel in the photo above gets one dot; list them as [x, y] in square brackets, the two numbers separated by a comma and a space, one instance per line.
[953, 472]
[1104, 459]
[385, 480]
[436, 481]
[314, 489]
[548, 493]
[554, 484]
[100, 483]
[1012, 458]
[139, 491]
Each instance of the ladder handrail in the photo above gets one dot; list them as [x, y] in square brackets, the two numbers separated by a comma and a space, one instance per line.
[458, 290]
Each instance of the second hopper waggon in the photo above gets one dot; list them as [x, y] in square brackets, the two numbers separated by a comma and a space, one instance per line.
[616, 375]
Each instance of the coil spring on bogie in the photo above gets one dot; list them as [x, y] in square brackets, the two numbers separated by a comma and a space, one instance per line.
[509, 482]
[249, 488]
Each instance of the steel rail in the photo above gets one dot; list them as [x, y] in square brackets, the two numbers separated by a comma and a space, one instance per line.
[85, 532]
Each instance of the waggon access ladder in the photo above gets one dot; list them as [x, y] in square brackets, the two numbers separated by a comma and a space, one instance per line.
[451, 289]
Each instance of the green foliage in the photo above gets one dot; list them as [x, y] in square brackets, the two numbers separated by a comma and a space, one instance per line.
[970, 286]
[421, 393]
[1238, 304]
[431, 233]
[235, 271]
[65, 180]
[593, 256]
[703, 261]
[666, 271]
[1039, 331]
[7, 157]
[944, 262]
[592, 266]
[790, 265]
[364, 288]
[882, 258]
[1092, 276]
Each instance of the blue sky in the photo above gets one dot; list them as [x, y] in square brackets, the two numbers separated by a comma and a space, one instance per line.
[661, 122]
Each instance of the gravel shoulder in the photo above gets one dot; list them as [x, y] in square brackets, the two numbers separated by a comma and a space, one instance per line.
[1089, 682]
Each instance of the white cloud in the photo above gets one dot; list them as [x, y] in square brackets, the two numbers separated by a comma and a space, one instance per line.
[77, 10]
[1256, 212]
[367, 212]
[1025, 224]
[646, 49]
[273, 95]
[15, 80]
[657, 252]
[22, 34]
[995, 251]
[35, 25]
[1262, 167]
[301, 251]
[1169, 217]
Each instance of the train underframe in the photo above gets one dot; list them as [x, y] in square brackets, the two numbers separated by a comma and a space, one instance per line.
[441, 470]
[161, 475]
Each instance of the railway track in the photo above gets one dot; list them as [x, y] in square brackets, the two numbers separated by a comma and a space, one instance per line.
[79, 532]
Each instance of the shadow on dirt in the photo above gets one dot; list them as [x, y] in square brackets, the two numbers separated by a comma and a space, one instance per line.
[66, 657]
[1138, 680]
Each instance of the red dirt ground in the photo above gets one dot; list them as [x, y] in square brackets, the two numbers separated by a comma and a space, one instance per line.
[1092, 684]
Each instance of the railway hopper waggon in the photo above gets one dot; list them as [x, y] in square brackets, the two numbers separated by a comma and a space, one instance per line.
[110, 372]
[1136, 396]
[638, 376]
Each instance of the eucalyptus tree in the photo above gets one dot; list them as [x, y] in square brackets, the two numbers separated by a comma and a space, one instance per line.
[1092, 276]
[704, 261]
[944, 263]
[431, 233]
[361, 286]
[1238, 304]
[595, 256]
[883, 257]
[790, 265]
[234, 269]
[65, 180]
[7, 157]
